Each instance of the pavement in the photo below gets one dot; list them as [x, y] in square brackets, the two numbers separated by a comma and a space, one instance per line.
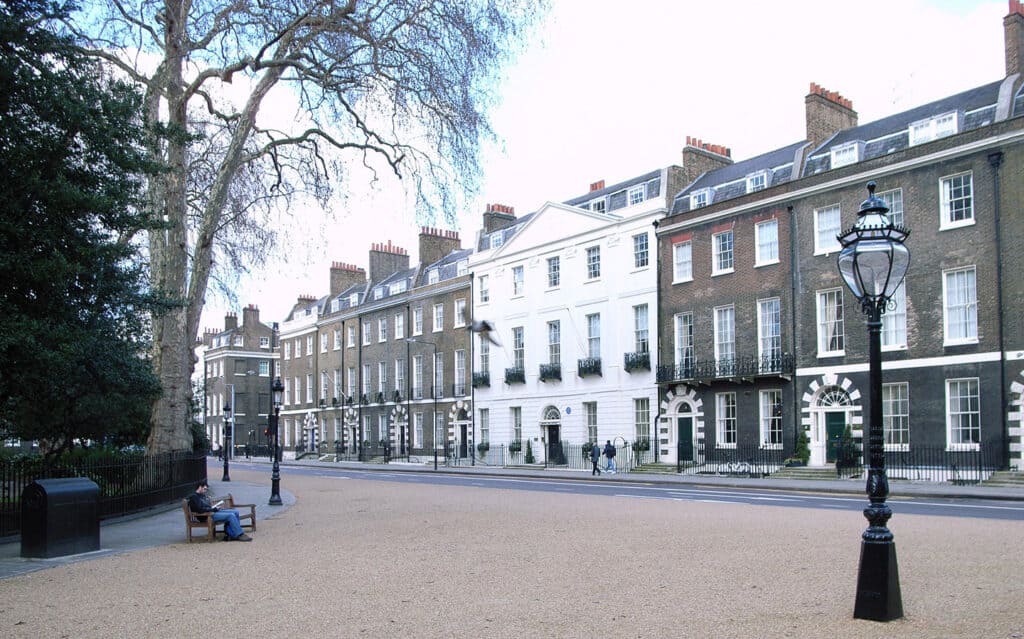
[163, 526]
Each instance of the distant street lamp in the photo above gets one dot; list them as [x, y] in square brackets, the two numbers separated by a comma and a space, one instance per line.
[275, 473]
[873, 263]
[227, 439]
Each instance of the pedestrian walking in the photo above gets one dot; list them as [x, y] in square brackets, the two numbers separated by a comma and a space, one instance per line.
[595, 456]
[609, 452]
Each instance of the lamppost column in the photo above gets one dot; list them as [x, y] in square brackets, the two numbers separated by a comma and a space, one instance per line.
[275, 473]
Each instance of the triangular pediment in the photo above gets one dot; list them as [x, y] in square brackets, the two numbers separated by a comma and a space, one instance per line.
[554, 222]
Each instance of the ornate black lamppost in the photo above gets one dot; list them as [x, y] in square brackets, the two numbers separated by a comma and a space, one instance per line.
[873, 262]
[275, 473]
[227, 441]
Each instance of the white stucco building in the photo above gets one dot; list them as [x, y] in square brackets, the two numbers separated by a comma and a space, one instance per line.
[571, 289]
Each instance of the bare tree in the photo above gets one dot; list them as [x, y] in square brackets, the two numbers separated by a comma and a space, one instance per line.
[405, 85]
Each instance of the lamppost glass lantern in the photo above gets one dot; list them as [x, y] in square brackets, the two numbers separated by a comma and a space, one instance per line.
[873, 262]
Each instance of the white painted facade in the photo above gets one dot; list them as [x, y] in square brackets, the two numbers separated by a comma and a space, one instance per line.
[557, 407]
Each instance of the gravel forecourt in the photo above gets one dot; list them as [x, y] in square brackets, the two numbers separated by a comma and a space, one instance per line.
[357, 558]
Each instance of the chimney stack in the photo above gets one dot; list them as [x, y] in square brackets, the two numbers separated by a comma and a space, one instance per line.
[498, 216]
[1013, 37]
[345, 276]
[230, 321]
[386, 260]
[700, 157]
[596, 186]
[250, 316]
[827, 113]
[436, 243]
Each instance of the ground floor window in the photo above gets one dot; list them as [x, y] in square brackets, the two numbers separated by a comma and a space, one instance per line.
[642, 418]
[417, 430]
[771, 418]
[517, 423]
[725, 419]
[590, 410]
[963, 414]
[485, 425]
[896, 415]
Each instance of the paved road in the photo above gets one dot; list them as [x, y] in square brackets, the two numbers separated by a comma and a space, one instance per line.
[938, 500]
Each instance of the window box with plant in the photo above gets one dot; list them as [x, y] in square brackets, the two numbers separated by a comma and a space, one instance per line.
[515, 446]
[483, 447]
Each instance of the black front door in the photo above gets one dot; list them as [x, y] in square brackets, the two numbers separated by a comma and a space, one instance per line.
[555, 455]
[684, 434]
[463, 442]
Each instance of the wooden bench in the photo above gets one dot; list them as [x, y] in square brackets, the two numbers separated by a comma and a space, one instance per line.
[205, 521]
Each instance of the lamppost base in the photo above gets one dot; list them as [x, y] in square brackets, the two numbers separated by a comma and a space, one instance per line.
[878, 583]
[275, 500]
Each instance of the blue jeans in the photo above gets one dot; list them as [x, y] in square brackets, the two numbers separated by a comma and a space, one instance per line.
[231, 523]
[611, 464]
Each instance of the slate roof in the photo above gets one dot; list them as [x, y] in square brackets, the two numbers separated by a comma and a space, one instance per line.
[891, 134]
[615, 195]
[506, 233]
[730, 181]
[447, 266]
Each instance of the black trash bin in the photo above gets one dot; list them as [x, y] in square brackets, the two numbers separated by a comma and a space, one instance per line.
[60, 517]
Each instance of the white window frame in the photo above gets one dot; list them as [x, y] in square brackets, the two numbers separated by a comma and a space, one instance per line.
[966, 308]
[483, 283]
[382, 377]
[636, 194]
[642, 419]
[894, 321]
[438, 317]
[823, 322]
[337, 338]
[593, 254]
[766, 247]
[933, 128]
[460, 313]
[896, 415]
[518, 348]
[845, 154]
[725, 337]
[518, 284]
[682, 269]
[461, 268]
[399, 325]
[825, 236]
[367, 332]
[485, 425]
[594, 336]
[417, 430]
[769, 328]
[947, 199]
[417, 320]
[382, 329]
[682, 329]
[954, 418]
[725, 420]
[770, 423]
[723, 253]
[555, 342]
[554, 264]
[351, 331]
[757, 181]
[400, 375]
[641, 329]
[641, 251]
[433, 276]
[893, 199]
[590, 410]
[367, 381]
[700, 199]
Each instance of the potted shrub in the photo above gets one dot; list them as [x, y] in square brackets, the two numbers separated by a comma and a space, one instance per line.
[587, 447]
[529, 453]
[802, 453]
[483, 447]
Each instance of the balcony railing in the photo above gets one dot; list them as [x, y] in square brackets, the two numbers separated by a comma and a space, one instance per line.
[550, 372]
[380, 397]
[363, 399]
[638, 361]
[589, 366]
[397, 397]
[728, 368]
[481, 380]
[515, 376]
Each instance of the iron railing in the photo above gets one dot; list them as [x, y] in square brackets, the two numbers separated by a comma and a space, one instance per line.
[729, 367]
[589, 366]
[930, 463]
[637, 361]
[550, 372]
[515, 376]
[481, 380]
[127, 483]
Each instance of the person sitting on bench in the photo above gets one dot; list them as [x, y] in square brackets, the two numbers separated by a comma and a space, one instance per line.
[199, 503]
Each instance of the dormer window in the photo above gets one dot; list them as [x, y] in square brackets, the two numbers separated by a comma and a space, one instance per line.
[334, 305]
[757, 181]
[845, 154]
[353, 299]
[597, 205]
[497, 239]
[934, 128]
[398, 287]
[378, 292]
[462, 267]
[433, 276]
[636, 194]
[700, 198]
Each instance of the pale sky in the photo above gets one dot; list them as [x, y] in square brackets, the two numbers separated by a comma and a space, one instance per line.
[611, 90]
